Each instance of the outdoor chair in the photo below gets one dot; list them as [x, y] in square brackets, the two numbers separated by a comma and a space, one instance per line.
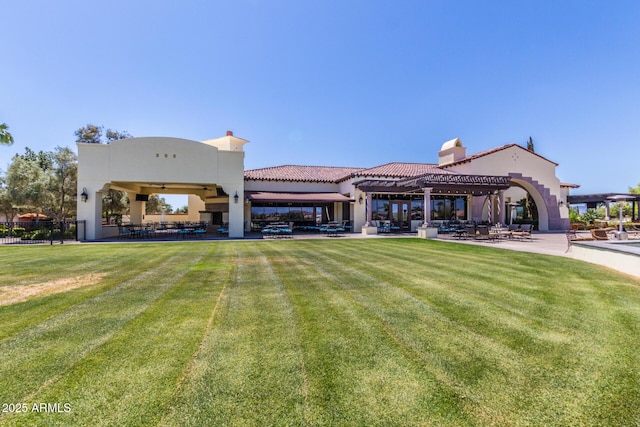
[384, 227]
[124, 232]
[483, 233]
[470, 231]
[599, 234]
[524, 232]
[572, 236]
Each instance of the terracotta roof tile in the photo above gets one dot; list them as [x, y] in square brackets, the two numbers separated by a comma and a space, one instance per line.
[300, 173]
[338, 174]
[401, 170]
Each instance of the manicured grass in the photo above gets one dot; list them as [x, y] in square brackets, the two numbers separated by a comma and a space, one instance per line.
[318, 332]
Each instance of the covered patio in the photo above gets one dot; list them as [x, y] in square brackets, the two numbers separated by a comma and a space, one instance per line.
[470, 198]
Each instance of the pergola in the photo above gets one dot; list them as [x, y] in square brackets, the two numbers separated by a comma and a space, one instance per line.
[447, 183]
[592, 201]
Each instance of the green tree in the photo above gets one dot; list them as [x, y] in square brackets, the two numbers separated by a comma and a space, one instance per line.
[530, 145]
[5, 136]
[27, 184]
[114, 205]
[7, 207]
[155, 204]
[114, 135]
[591, 215]
[93, 134]
[90, 134]
[63, 181]
[42, 182]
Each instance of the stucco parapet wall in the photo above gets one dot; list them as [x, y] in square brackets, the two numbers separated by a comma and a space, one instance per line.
[158, 159]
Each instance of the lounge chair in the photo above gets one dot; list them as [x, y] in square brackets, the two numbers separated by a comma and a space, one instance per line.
[599, 234]
[524, 232]
[572, 236]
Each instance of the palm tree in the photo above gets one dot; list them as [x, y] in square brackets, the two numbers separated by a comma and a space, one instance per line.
[5, 136]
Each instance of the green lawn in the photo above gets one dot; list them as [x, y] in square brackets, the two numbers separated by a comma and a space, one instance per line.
[317, 332]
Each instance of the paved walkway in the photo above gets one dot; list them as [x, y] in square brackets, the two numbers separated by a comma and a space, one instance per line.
[549, 243]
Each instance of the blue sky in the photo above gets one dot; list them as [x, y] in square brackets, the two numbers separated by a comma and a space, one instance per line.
[334, 82]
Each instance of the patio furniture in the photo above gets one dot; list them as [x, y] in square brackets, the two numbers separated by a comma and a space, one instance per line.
[599, 234]
[277, 231]
[384, 226]
[333, 230]
[470, 231]
[124, 232]
[484, 233]
[524, 232]
[572, 236]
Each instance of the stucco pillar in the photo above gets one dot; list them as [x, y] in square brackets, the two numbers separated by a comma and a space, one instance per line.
[369, 212]
[92, 211]
[501, 207]
[426, 211]
[236, 213]
[491, 214]
[136, 209]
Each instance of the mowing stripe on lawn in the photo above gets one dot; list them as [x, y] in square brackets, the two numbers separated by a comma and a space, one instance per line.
[120, 266]
[562, 395]
[131, 379]
[325, 332]
[38, 357]
[250, 369]
[358, 375]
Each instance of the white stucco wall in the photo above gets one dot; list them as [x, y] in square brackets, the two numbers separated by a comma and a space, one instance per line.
[518, 160]
[135, 163]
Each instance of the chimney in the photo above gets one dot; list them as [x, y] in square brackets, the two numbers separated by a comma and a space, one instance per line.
[229, 133]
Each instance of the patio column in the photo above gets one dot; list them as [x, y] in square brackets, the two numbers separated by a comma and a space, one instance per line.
[501, 208]
[136, 209]
[607, 214]
[425, 208]
[368, 208]
[491, 209]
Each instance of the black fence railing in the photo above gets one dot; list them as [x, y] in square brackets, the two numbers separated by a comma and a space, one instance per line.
[31, 232]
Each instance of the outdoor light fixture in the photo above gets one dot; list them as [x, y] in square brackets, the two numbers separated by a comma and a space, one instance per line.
[360, 199]
[236, 198]
[84, 195]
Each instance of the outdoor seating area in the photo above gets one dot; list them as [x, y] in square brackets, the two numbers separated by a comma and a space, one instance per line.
[470, 230]
[278, 231]
[177, 230]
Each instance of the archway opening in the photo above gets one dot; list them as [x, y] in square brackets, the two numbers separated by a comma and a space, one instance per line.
[520, 207]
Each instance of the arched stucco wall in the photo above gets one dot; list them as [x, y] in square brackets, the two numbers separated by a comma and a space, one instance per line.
[142, 164]
[549, 217]
[532, 172]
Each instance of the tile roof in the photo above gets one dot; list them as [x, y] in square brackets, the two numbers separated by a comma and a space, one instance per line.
[300, 173]
[338, 174]
[401, 170]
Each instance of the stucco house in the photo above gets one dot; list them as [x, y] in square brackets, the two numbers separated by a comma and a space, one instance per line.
[484, 186]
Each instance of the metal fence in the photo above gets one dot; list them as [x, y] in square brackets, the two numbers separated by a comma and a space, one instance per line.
[42, 232]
